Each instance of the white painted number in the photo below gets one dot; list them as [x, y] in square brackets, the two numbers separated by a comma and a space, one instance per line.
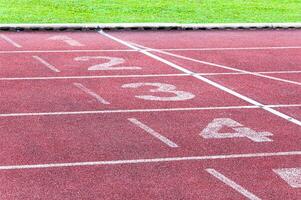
[291, 175]
[109, 65]
[66, 39]
[212, 131]
[161, 88]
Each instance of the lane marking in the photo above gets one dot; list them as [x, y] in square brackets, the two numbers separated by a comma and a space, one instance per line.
[142, 110]
[91, 93]
[68, 40]
[232, 184]
[68, 51]
[232, 48]
[290, 175]
[46, 64]
[210, 82]
[152, 132]
[220, 66]
[150, 160]
[169, 49]
[10, 41]
[139, 75]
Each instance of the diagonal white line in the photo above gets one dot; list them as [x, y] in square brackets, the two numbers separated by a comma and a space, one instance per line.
[46, 64]
[217, 85]
[220, 66]
[152, 132]
[151, 160]
[232, 184]
[91, 93]
[7, 39]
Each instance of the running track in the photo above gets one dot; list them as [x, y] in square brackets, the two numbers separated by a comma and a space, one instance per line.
[150, 115]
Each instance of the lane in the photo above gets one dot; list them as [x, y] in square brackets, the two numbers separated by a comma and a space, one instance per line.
[281, 59]
[152, 181]
[80, 64]
[261, 89]
[56, 41]
[212, 39]
[122, 93]
[105, 137]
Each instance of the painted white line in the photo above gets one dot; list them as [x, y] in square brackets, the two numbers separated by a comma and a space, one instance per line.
[219, 86]
[10, 41]
[232, 184]
[232, 48]
[220, 66]
[91, 93]
[290, 175]
[141, 110]
[137, 76]
[151, 131]
[46, 64]
[151, 160]
[68, 51]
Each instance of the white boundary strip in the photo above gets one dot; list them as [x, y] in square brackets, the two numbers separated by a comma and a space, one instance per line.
[169, 49]
[137, 75]
[220, 66]
[219, 86]
[46, 64]
[91, 93]
[152, 132]
[10, 41]
[142, 110]
[230, 48]
[232, 184]
[150, 160]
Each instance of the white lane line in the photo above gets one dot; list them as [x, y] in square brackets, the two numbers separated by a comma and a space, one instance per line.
[220, 66]
[152, 132]
[170, 49]
[91, 93]
[290, 175]
[10, 41]
[219, 86]
[232, 184]
[151, 160]
[46, 64]
[142, 110]
[68, 51]
[232, 48]
[137, 75]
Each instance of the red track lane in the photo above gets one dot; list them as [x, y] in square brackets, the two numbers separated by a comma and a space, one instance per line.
[90, 137]
[169, 180]
[63, 95]
[261, 89]
[69, 137]
[43, 41]
[78, 64]
[250, 60]
[212, 39]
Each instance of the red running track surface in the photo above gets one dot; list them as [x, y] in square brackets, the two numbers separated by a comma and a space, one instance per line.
[85, 115]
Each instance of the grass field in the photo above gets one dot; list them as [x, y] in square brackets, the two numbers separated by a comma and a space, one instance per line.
[182, 11]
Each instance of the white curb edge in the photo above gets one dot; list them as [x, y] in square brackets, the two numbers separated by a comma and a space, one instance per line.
[145, 26]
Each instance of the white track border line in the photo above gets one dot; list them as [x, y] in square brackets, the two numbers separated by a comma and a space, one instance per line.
[91, 93]
[150, 160]
[232, 184]
[142, 110]
[137, 75]
[10, 41]
[152, 132]
[163, 49]
[218, 65]
[219, 86]
[46, 64]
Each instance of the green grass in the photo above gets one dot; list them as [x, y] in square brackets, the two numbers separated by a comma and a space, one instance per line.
[181, 11]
